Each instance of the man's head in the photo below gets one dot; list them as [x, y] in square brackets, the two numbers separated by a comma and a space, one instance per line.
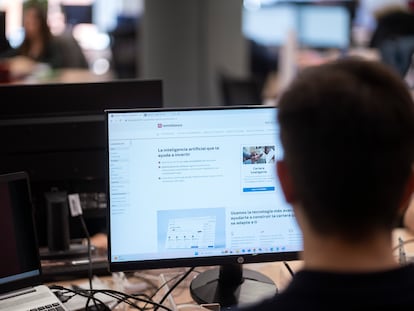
[347, 129]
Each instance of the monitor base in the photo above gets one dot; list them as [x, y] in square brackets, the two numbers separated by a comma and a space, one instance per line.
[249, 287]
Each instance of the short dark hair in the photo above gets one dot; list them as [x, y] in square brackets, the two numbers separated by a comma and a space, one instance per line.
[347, 128]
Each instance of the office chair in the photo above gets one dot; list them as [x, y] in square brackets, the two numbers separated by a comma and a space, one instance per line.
[240, 91]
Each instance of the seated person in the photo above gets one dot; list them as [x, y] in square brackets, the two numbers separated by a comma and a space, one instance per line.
[347, 129]
[392, 22]
[41, 46]
[38, 44]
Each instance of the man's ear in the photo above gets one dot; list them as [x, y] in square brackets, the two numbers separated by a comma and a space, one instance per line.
[285, 181]
[408, 192]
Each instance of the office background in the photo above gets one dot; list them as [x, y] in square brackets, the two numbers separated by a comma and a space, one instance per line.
[189, 44]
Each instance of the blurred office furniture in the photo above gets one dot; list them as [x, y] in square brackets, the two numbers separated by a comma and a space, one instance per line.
[263, 61]
[393, 37]
[124, 47]
[72, 54]
[240, 91]
[81, 25]
[398, 53]
[21, 70]
[391, 25]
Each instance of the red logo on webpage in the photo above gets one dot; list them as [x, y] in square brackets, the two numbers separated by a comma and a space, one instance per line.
[159, 125]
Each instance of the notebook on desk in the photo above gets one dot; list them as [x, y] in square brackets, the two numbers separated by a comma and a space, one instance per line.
[20, 269]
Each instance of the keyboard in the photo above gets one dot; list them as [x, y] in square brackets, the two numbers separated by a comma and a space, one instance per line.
[50, 307]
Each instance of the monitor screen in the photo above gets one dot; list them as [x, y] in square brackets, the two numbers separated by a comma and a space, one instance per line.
[197, 187]
[324, 26]
[78, 14]
[56, 133]
[270, 25]
[17, 239]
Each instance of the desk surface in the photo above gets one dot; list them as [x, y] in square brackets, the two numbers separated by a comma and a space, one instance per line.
[24, 71]
[149, 280]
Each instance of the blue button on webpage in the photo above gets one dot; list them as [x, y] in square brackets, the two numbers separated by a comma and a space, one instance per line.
[258, 189]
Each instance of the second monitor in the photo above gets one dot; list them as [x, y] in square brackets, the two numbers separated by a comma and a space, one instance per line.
[56, 133]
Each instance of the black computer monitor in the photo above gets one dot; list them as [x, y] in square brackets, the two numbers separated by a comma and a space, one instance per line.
[56, 133]
[78, 14]
[195, 187]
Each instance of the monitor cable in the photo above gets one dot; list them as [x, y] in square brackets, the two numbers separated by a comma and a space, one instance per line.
[289, 268]
[89, 247]
[187, 273]
[88, 243]
[76, 211]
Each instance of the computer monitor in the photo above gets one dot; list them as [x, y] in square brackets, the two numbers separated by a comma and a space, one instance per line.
[78, 14]
[56, 133]
[198, 187]
[317, 24]
[269, 26]
[324, 26]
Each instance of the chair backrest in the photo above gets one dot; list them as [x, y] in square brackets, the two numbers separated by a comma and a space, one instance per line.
[398, 53]
[240, 91]
[72, 54]
[392, 25]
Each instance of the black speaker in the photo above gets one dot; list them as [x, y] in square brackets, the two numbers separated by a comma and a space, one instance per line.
[58, 236]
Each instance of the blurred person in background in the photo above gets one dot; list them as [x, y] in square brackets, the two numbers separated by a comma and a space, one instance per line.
[39, 45]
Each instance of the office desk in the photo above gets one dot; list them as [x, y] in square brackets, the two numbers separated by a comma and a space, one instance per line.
[67, 75]
[24, 71]
[149, 281]
[180, 299]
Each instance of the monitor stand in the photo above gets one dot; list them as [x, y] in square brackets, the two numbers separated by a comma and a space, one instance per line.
[231, 285]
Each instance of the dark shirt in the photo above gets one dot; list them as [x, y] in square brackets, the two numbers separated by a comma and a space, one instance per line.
[313, 290]
[391, 26]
